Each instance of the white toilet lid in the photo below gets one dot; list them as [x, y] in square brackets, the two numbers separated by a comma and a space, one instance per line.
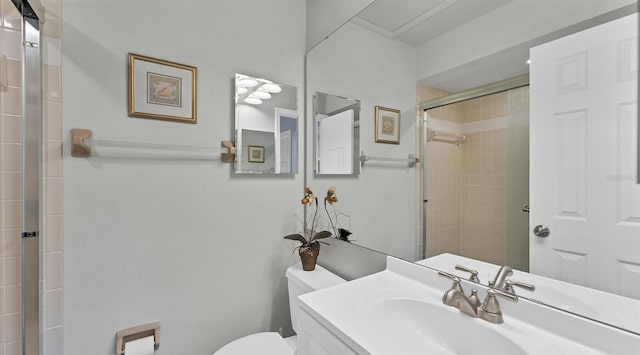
[257, 344]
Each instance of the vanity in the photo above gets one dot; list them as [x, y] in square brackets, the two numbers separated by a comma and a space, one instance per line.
[400, 311]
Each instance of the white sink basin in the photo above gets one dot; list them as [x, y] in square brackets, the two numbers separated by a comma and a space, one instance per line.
[605, 307]
[415, 324]
[400, 311]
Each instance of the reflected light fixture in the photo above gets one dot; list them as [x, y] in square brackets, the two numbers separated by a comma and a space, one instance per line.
[261, 94]
[253, 101]
[241, 90]
[246, 83]
[272, 88]
[528, 61]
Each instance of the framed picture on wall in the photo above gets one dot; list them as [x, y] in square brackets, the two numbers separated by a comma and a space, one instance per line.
[256, 154]
[162, 90]
[387, 125]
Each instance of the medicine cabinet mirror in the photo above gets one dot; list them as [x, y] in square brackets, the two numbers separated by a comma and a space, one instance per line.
[336, 135]
[266, 126]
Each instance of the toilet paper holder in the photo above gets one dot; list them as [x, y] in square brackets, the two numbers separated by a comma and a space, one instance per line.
[138, 332]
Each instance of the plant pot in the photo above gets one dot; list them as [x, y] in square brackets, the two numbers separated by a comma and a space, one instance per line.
[309, 257]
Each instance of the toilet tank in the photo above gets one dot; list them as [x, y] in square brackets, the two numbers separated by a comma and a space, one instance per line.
[301, 282]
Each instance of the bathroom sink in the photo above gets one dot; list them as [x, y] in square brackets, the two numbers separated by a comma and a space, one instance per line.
[400, 311]
[419, 325]
[606, 307]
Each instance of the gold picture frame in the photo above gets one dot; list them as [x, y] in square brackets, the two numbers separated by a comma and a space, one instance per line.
[162, 90]
[255, 154]
[387, 125]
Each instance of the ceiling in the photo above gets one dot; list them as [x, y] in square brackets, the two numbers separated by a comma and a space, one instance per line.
[418, 21]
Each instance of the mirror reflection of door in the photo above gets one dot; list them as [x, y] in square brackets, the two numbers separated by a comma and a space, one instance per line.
[583, 158]
[336, 134]
[335, 143]
[286, 140]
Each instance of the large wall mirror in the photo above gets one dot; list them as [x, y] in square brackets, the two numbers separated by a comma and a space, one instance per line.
[470, 195]
[337, 134]
[266, 124]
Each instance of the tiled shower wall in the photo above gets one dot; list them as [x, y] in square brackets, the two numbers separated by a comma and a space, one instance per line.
[483, 188]
[443, 163]
[10, 184]
[466, 184]
[52, 341]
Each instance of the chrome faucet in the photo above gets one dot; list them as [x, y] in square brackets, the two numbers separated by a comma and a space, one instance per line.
[501, 276]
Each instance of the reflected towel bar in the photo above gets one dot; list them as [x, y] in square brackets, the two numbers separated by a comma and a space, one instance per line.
[83, 146]
[411, 160]
[445, 137]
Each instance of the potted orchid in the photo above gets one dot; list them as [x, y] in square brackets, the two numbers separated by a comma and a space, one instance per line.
[309, 239]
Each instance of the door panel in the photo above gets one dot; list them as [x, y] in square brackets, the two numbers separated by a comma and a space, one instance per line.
[583, 153]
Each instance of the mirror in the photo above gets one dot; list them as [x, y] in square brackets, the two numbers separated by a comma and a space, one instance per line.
[451, 53]
[337, 134]
[266, 124]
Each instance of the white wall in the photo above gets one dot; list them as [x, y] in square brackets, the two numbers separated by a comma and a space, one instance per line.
[185, 243]
[359, 64]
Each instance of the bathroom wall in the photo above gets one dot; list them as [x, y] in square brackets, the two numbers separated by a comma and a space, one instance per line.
[186, 243]
[11, 183]
[359, 64]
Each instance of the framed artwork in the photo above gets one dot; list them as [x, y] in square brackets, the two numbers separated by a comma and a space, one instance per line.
[256, 154]
[162, 90]
[387, 125]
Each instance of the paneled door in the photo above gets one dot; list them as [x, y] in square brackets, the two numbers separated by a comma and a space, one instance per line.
[585, 202]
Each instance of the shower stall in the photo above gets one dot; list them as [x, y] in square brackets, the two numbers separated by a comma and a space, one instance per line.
[22, 136]
[476, 177]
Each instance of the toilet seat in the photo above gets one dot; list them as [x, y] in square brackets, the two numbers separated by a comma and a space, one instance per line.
[266, 343]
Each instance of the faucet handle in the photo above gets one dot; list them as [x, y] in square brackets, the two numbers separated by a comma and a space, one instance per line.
[448, 297]
[454, 278]
[490, 309]
[508, 286]
[474, 273]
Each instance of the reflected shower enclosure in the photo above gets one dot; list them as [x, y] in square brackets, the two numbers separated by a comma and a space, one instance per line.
[477, 187]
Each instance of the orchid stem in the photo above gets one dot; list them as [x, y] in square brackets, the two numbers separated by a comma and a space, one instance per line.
[333, 227]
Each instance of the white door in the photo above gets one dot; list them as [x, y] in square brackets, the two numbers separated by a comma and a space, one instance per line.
[583, 158]
[335, 143]
[285, 152]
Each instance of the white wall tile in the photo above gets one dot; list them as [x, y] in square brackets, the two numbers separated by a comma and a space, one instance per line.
[12, 157]
[11, 129]
[14, 348]
[53, 233]
[12, 299]
[54, 308]
[53, 270]
[53, 341]
[53, 200]
[12, 270]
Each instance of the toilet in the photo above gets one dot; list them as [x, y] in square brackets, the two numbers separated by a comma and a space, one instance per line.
[271, 343]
